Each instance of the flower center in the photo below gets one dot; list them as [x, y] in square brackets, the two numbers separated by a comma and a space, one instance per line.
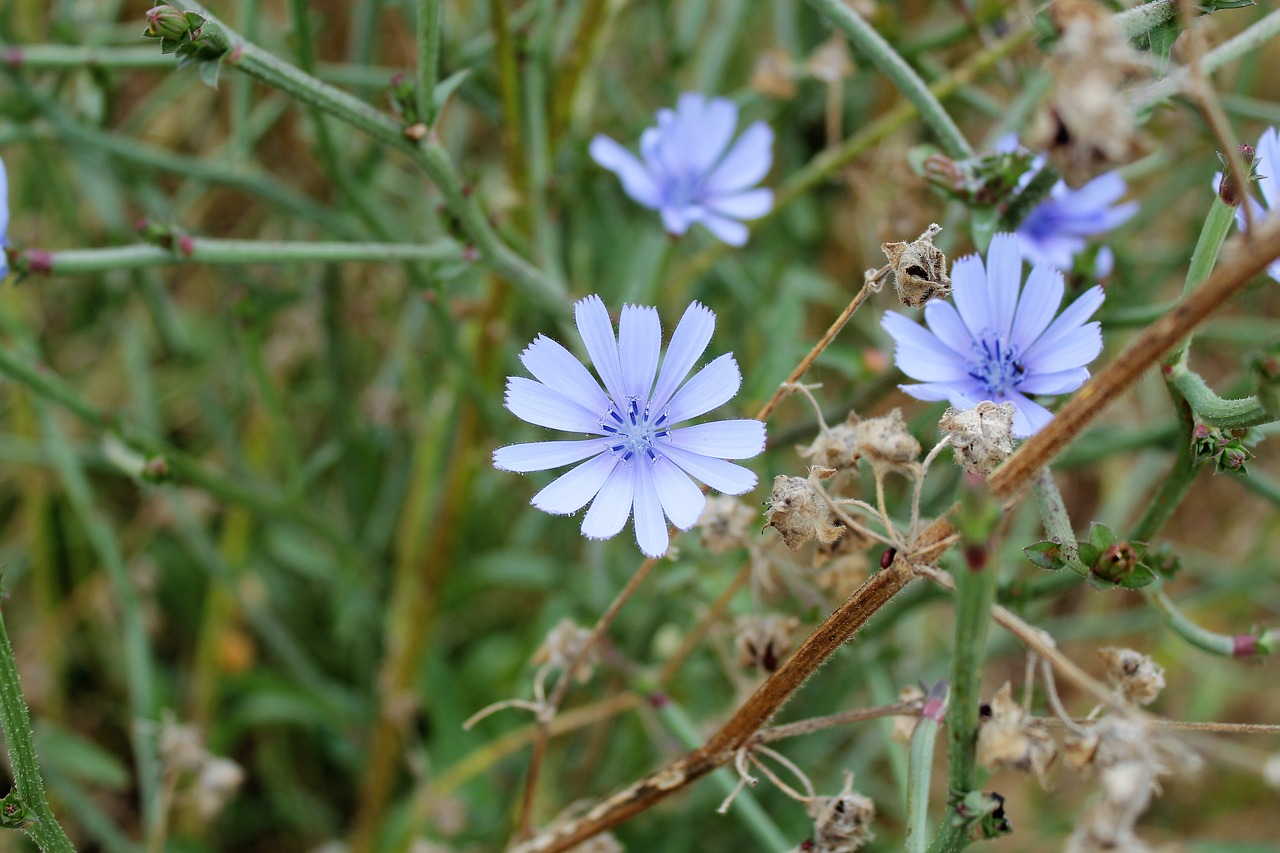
[996, 366]
[632, 432]
[683, 189]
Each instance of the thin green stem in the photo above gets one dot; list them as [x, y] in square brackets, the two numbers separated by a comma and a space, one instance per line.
[1178, 482]
[879, 51]
[745, 806]
[920, 767]
[42, 826]
[427, 22]
[1247, 645]
[429, 154]
[1217, 224]
[1211, 409]
[1057, 524]
[203, 250]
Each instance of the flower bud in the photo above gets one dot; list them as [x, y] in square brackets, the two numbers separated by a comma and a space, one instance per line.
[1228, 190]
[981, 437]
[166, 22]
[919, 269]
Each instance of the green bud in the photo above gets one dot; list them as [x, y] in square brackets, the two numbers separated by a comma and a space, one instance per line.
[169, 24]
[14, 813]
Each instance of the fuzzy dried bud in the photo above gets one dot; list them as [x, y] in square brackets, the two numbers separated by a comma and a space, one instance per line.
[727, 524]
[1008, 738]
[562, 645]
[763, 641]
[841, 824]
[904, 726]
[799, 513]
[886, 442]
[919, 269]
[841, 566]
[835, 447]
[982, 437]
[831, 61]
[774, 75]
[216, 783]
[1133, 674]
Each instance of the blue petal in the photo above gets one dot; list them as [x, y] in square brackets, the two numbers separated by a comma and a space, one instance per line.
[712, 386]
[751, 204]
[612, 505]
[720, 475]
[596, 330]
[735, 439]
[639, 345]
[1067, 334]
[962, 395]
[1040, 300]
[1028, 417]
[1004, 280]
[728, 231]
[541, 455]
[747, 162]
[1268, 151]
[4, 210]
[945, 323]
[556, 367]
[574, 489]
[920, 354]
[969, 289]
[636, 180]
[536, 403]
[651, 527]
[1061, 382]
[688, 343]
[682, 500]
[705, 128]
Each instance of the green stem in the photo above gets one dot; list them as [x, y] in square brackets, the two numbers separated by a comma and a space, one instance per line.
[429, 154]
[1211, 409]
[203, 250]
[428, 27]
[1208, 246]
[1229, 51]
[879, 51]
[920, 767]
[43, 828]
[1178, 482]
[1057, 524]
[1255, 644]
[745, 806]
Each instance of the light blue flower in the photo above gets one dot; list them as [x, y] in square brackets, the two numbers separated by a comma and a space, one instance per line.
[688, 171]
[1000, 342]
[1056, 229]
[635, 457]
[4, 220]
[1267, 158]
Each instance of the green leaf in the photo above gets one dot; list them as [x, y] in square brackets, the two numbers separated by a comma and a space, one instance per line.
[1161, 39]
[1046, 555]
[1137, 578]
[446, 87]
[1100, 537]
[1211, 6]
[80, 759]
[1089, 554]
[209, 72]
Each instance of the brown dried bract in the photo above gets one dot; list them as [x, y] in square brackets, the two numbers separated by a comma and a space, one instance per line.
[919, 269]
[1009, 738]
[1134, 675]
[799, 513]
[981, 437]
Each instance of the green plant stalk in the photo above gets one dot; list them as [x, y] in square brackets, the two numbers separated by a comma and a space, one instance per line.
[1178, 482]
[44, 830]
[427, 22]
[976, 583]
[745, 805]
[1209, 407]
[920, 768]
[1140, 19]
[204, 250]
[879, 51]
[508, 89]
[1223, 645]
[1217, 224]
[429, 154]
[46, 384]
[1057, 525]
[136, 648]
[1230, 50]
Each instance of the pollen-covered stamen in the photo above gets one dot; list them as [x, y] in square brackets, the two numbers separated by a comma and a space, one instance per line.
[997, 366]
[634, 434]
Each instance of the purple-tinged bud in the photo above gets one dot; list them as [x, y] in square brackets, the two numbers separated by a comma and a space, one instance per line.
[1228, 190]
[166, 22]
[1117, 562]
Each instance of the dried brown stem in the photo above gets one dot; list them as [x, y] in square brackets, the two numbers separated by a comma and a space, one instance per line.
[818, 724]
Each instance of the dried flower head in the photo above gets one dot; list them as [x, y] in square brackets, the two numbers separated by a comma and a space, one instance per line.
[799, 512]
[830, 62]
[726, 524]
[1009, 738]
[842, 566]
[763, 641]
[774, 75]
[1133, 674]
[834, 447]
[904, 726]
[841, 824]
[886, 442]
[216, 783]
[919, 269]
[562, 645]
[981, 437]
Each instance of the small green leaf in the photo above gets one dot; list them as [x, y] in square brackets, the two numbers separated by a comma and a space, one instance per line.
[1100, 537]
[1046, 555]
[1138, 577]
[1161, 39]
[446, 87]
[1089, 554]
[209, 72]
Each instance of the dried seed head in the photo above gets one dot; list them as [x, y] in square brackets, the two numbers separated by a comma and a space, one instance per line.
[181, 746]
[886, 442]
[763, 641]
[774, 75]
[982, 437]
[1133, 674]
[842, 565]
[216, 783]
[831, 61]
[919, 269]
[905, 726]
[1009, 739]
[562, 645]
[799, 513]
[835, 447]
[727, 524]
[841, 824]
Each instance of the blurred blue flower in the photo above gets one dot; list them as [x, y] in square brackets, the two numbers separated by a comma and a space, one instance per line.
[4, 220]
[1003, 342]
[1055, 230]
[635, 460]
[1267, 157]
[688, 171]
